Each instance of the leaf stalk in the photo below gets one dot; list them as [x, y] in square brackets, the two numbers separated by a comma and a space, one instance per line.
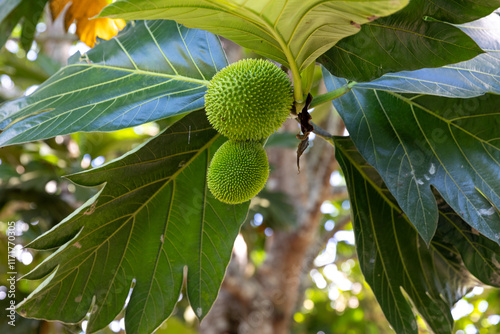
[334, 94]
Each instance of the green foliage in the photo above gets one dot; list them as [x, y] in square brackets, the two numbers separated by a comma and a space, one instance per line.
[430, 140]
[467, 79]
[397, 262]
[248, 100]
[238, 171]
[421, 164]
[421, 33]
[120, 83]
[26, 73]
[26, 11]
[98, 243]
[293, 33]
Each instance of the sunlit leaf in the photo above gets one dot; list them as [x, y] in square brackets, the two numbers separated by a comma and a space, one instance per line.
[289, 32]
[420, 142]
[82, 12]
[153, 220]
[120, 83]
[397, 262]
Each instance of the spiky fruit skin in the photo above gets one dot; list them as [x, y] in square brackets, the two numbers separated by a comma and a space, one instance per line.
[238, 171]
[248, 100]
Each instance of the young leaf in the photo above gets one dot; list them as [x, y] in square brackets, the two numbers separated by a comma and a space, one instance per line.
[396, 261]
[408, 40]
[293, 33]
[415, 143]
[470, 78]
[120, 83]
[153, 219]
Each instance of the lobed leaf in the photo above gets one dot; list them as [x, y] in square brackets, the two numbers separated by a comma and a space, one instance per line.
[120, 83]
[152, 220]
[401, 269]
[423, 141]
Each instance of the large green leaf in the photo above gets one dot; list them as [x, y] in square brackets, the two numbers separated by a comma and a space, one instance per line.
[408, 40]
[470, 78]
[153, 220]
[396, 261]
[293, 33]
[423, 141]
[151, 70]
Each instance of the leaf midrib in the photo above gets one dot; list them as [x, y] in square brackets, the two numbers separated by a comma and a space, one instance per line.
[176, 77]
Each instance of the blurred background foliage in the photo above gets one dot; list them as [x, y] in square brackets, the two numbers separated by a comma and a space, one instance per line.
[34, 195]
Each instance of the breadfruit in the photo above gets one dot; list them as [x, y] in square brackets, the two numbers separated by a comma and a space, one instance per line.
[248, 100]
[238, 171]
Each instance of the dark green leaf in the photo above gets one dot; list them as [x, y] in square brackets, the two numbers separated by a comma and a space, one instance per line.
[396, 261]
[30, 21]
[153, 220]
[120, 83]
[470, 78]
[12, 11]
[465, 11]
[10, 16]
[407, 41]
[7, 172]
[6, 7]
[415, 143]
[480, 255]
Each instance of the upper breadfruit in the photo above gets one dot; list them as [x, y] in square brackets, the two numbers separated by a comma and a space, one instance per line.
[248, 100]
[238, 171]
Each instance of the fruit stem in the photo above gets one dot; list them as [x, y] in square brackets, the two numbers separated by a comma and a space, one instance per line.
[320, 99]
[263, 141]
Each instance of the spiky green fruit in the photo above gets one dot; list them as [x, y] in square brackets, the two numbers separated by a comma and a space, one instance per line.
[248, 100]
[238, 171]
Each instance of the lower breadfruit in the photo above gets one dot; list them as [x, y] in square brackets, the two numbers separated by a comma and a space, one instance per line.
[238, 171]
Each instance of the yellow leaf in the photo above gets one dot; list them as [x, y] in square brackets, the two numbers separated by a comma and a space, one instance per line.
[81, 12]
